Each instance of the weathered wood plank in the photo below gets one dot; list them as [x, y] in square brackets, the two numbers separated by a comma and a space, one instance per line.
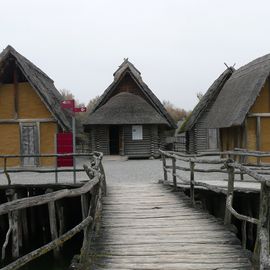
[150, 227]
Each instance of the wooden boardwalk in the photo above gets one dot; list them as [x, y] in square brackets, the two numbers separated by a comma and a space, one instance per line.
[150, 227]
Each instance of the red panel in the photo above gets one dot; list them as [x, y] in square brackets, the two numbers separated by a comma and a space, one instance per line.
[64, 145]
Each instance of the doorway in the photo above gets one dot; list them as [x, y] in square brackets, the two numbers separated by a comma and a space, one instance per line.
[114, 140]
[29, 143]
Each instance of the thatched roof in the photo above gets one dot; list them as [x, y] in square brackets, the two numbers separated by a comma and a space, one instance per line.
[128, 68]
[239, 94]
[125, 108]
[41, 83]
[206, 100]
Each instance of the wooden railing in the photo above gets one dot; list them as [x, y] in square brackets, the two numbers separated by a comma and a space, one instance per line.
[91, 194]
[230, 167]
[56, 170]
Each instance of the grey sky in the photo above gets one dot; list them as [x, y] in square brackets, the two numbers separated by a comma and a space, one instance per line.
[179, 46]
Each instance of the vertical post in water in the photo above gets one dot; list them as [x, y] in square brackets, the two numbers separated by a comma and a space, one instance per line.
[174, 173]
[192, 184]
[228, 215]
[74, 146]
[164, 167]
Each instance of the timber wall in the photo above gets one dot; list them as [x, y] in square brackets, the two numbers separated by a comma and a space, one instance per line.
[153, 139]
[235, 136]
[30, 107]
[198, 138]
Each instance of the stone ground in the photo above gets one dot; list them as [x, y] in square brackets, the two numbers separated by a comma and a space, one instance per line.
[117, 172]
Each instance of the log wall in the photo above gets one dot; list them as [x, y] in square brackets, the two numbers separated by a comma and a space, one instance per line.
[153, 139]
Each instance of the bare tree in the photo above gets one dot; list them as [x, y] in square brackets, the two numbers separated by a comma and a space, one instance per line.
[92, 103]
[175, 112]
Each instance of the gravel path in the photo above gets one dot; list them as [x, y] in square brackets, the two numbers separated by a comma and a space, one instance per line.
[117, 172]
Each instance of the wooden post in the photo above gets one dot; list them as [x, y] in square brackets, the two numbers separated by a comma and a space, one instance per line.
[192, 182]
[15, 81]
[228, 215]
[174, 173]
[12, 195]
[261, 250]
[5, 171]
[244, 234]
[258, 136]
[84, 205]
[53, 223]
[164, 167]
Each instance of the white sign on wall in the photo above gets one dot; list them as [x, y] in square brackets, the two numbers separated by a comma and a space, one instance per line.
[137, 132]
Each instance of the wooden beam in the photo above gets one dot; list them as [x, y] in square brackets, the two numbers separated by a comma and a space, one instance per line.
[46, 198]
[259, 115]
[258, 136]
[40, 120]
[15, 81]
[48, 247]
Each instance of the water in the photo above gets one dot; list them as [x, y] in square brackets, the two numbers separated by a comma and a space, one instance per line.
[48, 262]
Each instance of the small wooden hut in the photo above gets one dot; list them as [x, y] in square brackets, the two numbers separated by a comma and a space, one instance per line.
[242, 108]
[30, 113]
[199, 138]
[128, 119]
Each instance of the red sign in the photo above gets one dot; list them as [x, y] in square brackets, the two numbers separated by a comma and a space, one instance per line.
[68, 104]
[82, 109]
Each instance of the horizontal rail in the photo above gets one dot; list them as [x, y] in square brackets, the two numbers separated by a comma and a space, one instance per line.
[48, 247]
[46, 198]
[252, 173]
[257, 172]
[91, 207]
[237, 215]
[49, 155]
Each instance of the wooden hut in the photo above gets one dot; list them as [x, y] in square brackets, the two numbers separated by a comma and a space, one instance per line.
[128, 119]
[30, 113]
[199, 138]
[242, 108]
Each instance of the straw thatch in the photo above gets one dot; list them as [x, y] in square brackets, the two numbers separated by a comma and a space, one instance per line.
[206, 100]
[41, 83]
[128, 68]
[125, 108]
[239, 94]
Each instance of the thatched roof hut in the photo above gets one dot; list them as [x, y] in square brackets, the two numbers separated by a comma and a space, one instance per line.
[239, 94]
[242, 108]
[198, 136]
[125, 109]
[30, 111]
[128, 118]
[41, 83]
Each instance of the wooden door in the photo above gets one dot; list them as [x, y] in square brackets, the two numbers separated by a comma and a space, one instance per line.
[64, 146]
[29, 143]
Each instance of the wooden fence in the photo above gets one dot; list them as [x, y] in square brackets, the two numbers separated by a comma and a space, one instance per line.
[231, 167]
[56, 170]
[91, 194]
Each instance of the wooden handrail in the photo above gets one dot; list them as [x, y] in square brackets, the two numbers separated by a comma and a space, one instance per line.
[261, 252]
[96, 186]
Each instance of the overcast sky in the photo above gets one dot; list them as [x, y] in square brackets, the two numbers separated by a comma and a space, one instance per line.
[179, 46]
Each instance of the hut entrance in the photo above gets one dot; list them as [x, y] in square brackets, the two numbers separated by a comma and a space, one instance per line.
[29, 143]
[114, 140]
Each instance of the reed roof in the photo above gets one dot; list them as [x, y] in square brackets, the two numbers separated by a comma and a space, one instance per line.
[161, 114]
[239, 94]
[41, 83]
[207, 99]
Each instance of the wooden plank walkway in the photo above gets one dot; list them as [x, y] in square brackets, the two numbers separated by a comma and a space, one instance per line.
[151, 227]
